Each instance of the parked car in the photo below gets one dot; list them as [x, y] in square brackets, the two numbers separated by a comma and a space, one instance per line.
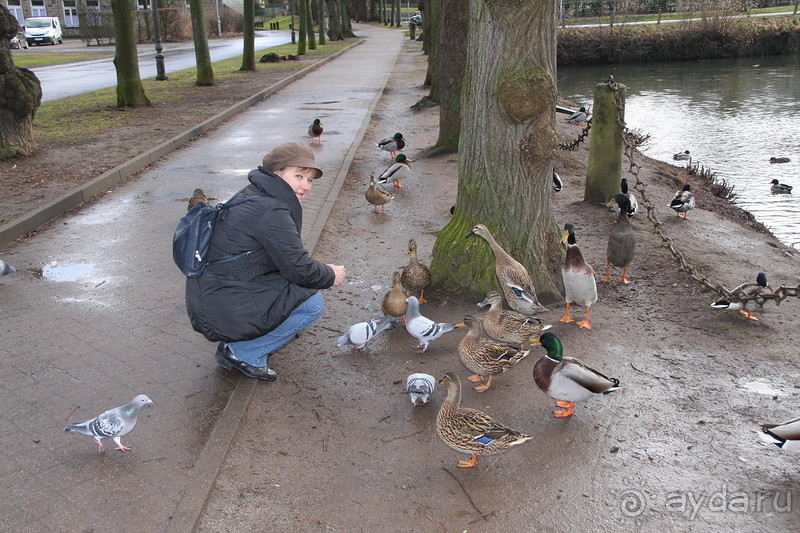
[416, 18]
[18, 41]
[41, 30]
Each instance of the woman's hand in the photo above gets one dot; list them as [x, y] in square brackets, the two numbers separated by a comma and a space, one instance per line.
[340, 273]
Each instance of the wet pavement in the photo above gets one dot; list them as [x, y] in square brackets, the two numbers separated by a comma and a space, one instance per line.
[95, 315]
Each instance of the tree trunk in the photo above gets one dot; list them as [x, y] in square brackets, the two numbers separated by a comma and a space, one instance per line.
[431, 24]
[205, 73]
[506, 147]
[322, 22]
[249, 37]
[334, 21]
[301, 35]
[452, 62]
[130, 92]
[20, 96]
[312, 40]
[347, 27]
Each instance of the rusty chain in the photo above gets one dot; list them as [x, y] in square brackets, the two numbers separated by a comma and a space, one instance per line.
[738, 295]
[574, 144]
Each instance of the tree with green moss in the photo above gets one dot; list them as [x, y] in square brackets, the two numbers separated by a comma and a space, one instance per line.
[130, 92]
[312, 40]
[205, 72]
[506, 147]
[301, 35]
[322, 22]
[20, 96]
[249, 36]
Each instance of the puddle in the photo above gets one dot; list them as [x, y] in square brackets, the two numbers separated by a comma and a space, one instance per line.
[761, 388]
[66, 273]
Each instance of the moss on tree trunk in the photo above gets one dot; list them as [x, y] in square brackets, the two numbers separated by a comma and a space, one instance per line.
[205, 72]
[604, 170]
[130, 92]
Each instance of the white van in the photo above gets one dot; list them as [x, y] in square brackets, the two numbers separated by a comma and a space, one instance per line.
[40, 30]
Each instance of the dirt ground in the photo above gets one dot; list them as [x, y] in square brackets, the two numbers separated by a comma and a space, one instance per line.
[335, 444]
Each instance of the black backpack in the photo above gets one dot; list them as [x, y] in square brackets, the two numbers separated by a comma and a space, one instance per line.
[193, 237]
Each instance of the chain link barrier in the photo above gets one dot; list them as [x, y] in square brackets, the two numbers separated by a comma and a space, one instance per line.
[683, 264]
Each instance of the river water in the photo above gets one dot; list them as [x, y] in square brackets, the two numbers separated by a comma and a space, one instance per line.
[732, 115]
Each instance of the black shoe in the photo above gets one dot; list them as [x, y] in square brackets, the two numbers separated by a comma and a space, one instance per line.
[226, 359]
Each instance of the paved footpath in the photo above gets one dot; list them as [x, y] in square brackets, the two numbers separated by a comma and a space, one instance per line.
[95, 315]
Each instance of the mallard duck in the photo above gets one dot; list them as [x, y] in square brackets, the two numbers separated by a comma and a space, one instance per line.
[557, 183]
[634, 204]
[578, 276]
[360, 334]
[415, 276]
[748, 289]
[315, 130]
[566, 379]
[377, 196]
[621, 242]
[197, 196]
[509, 326]
[682, 156]
[6, 269]
[471, 431]
[785, 436]
[780, 188]
[422, 328]
[484, 355]
[578, 116]
[779, 160]
[419, 388]
[393, 144]
[683, 201]
[515, 282]
[394, 302]
[397, 171]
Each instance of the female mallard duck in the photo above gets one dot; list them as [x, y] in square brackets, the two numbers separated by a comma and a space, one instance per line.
[315, 130]
[683, 201]
[747, 289]
[393, 144]
[578, 276]
[397, 171]
[515, 282]
[415, 276]
[785, 436]
[566, 379]
[682, 156]
[578, 116]
[509, 326]
[471, 431]
[394, 303]
[621, 242]
[780, 188]
[634, 204]
[377, 196]
[486, 356]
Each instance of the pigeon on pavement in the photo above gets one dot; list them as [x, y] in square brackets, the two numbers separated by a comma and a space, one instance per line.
[359, 334]
[424, 329]
[114, 423]
[6, 269]
[419, 387]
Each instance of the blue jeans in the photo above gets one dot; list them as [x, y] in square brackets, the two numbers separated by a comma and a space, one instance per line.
[255, 351]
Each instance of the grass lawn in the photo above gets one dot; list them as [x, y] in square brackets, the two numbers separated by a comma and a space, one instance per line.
[24, 59]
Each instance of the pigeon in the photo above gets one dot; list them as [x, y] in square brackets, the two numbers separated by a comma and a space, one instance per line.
[419, 387]
[423, 329]
[315, 130]
[197, 196]
[114, 423]
[785, 436]
[6, 269]
[360, 334]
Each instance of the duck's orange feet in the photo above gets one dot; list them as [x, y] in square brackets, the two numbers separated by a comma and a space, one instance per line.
[585, 322]
[624, 279]
[566, 317]
[749, 316]
[422, 299]
[475, 378]
[563, 403]
[484, 387]
[564, 412]
[473, 461]
[607, 276]
[398, 184]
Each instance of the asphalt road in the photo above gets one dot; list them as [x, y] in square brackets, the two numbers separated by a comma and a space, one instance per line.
[69, 79]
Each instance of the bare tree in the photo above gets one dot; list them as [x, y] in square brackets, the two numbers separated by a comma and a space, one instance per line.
[507, 143]
[322, 22]
[130, 92]
[453, 57]
[205, 72]
[312, 40]
[249, 36]
[20, 96]
[301, 35]
[334, 21]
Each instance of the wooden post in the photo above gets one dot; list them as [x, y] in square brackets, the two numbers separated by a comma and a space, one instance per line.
[605, 146]
[412, 31]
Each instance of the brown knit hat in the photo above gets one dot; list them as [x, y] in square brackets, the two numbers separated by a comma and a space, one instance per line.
[291, 155]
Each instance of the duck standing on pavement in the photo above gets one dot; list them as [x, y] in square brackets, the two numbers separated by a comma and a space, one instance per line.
[486, 356]
[578, 116]
[393, 144]
[578, 276]
[621, 242]
[415, 276]
[634, 204]
[315, 130]
[377, 196]
[747, 289]
[683, 201]
[397, 171]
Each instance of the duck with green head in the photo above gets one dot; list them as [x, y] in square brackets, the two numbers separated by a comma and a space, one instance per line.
[566, 379]
[393, 144]
[315, 130]
[400, 169]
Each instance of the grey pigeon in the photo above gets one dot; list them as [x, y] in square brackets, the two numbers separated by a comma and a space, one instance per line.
[114, 423]
[419, 387]
[423, 329]
[6, 269]
[359, 334]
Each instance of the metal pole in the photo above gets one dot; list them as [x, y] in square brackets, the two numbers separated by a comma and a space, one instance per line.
[219, 23]
[161, 74]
